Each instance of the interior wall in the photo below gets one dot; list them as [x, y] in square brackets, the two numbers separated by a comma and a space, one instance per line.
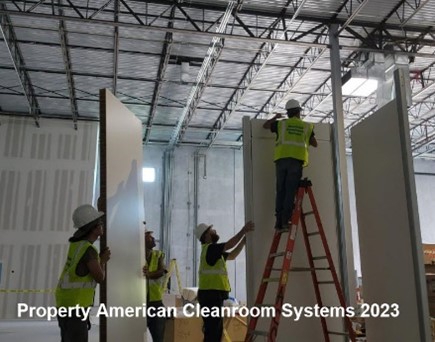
[260, 198]
[45, 174]
[220, 202]
[389, 231]
[125, 213]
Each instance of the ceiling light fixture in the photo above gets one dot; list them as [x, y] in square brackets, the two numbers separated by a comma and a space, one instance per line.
[357, 85]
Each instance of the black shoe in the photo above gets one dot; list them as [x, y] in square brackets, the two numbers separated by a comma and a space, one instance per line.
[283, 229]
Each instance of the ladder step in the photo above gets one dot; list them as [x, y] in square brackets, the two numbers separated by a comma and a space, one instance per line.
[259, 332]
[270, 280]
[338, 333]
[325, 282]
[320, 257]
[309, 213]
[306, 269]
[313, 233]
[273, 255]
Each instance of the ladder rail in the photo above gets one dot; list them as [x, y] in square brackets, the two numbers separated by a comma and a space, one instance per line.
[286, 263]
[263, 285]
[328, 254]
[314, 276]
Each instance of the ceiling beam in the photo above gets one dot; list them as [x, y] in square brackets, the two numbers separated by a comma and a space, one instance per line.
[115, 47]
[257, 65]
[14, 50]
[246, 37]
[68, 69]
[204, 75]
[164, 60]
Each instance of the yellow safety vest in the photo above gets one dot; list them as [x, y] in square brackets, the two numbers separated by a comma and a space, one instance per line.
[71, 288]
[293, 139]
[213, 277]
[155, 285]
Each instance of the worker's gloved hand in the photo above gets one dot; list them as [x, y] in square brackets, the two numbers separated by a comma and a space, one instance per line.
[105, 254]
[145, 270]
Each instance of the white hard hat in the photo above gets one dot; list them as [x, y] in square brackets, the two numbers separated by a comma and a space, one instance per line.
[85, 214]
[292, 103]
[201, 228]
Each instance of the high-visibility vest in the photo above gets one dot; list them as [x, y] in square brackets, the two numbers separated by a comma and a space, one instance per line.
[71, 288]
[213, 277]
[293, 139]
[155, 286]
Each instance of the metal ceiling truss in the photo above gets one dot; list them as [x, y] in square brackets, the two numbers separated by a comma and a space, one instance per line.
[258, 63]
[115, 47]
[164, 60]
[373, 39]
[204, 75]
[10, 40]
[88, 14]
[68, 68]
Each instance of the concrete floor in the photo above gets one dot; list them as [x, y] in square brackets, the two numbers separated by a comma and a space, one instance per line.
[39, 331]
[35, 331]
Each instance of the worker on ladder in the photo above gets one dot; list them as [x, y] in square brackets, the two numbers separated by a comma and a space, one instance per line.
[293, 136]
[154, 271]
[214, 285]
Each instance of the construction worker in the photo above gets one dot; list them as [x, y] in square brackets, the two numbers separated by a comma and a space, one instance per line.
[214, 285]
[154, 271]
[84, 268]
[293, 136]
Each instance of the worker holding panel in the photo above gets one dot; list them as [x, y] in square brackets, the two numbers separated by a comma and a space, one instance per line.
[214, 285]
[293, 136]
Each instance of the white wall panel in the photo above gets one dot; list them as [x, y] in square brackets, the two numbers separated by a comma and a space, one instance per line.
[125, 232]
[259, 206]
[389, 232]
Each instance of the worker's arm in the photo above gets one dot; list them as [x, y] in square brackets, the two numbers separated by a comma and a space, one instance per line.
[268, 123]
[160, 272]
[231, 243]
[97, 269]
[313, 141]
[236, 251]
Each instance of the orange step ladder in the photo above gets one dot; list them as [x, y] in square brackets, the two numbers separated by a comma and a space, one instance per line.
[298, 215]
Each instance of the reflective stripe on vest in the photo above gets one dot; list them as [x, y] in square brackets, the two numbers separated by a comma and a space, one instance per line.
[155, 285]
[213, 277]
[293, 139]
[72, 289]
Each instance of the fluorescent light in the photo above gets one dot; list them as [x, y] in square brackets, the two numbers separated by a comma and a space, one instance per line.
[352, 85]
[358, 86]
[148, 174]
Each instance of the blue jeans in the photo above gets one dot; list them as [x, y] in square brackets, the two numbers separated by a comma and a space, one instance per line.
[288, 172]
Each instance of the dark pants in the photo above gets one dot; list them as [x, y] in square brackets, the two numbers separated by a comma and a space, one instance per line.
[73, 329]
[288, 174]
[213, 326]
[156, 325]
